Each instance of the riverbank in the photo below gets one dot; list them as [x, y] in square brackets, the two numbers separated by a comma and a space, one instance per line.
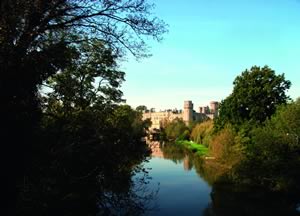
[196, 148]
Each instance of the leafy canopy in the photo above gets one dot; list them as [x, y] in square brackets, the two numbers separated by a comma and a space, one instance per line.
[256, 94]
[36, 39]
[92, 79]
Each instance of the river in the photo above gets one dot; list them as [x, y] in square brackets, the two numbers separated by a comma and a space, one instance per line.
[184, 187]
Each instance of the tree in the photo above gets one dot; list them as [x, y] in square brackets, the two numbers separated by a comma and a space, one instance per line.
[225, 146]
[85, 134]
[256, 94]
[141, 108]
[35, 40]
[274, 153]
[88, 156]
[38, 39]
[92, 78]
[201, 132]
[176, 129]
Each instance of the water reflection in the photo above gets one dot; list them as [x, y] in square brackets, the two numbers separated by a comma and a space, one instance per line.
[179, 155]
[229, 200]
[181, 192]
[128, 198]
[206, 196]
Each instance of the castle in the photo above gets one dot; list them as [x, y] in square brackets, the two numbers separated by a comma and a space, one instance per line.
[159, 119]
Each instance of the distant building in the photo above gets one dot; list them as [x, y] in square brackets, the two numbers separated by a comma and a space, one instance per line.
[159, 119]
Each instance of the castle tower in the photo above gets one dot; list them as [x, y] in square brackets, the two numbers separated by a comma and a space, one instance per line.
[188, 111]
[214, 106]
[203, 109]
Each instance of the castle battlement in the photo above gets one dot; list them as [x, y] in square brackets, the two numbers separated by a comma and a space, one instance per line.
[160, 119]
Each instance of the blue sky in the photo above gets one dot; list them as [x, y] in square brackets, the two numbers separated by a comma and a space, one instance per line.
[209, 43]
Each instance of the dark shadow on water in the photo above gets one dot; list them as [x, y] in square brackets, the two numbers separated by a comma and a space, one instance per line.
[231, 200]
[106, 187]
[137, 199]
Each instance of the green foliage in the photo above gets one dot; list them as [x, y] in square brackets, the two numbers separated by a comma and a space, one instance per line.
[194, 147]
[176, 129]
[274, 153]
[102, 143]
[128, 121]
[202, 132]
[65, 143]
[262, 143]
[92, 79]
[256, 94]
[185, 135]
[86, 134]
[226, 147]
[141, 108]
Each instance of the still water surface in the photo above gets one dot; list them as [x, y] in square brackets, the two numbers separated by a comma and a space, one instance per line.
[184, 187]
[181, 191]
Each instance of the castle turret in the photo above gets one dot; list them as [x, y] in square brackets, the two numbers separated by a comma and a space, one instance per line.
[214, 106]
[204, 109]
[201, 110]
[188, 111]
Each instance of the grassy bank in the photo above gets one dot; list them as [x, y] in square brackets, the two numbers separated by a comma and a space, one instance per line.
[192, 146]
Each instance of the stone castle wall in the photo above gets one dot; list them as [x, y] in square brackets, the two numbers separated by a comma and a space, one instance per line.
[159, 119]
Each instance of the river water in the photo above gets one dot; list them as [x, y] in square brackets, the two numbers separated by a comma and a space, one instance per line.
[183, 186]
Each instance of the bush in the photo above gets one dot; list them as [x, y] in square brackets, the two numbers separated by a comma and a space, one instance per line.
[184, 136]
[273, 156]
[202, 132]
[177, 129]
[225, 147]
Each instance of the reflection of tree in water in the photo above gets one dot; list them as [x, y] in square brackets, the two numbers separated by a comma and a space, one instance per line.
[131, 197]
[67, 185]
[235, 200]
[209, 170]
[178, 154]
[231, 200]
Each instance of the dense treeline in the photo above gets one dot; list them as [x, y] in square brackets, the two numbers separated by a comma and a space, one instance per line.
[263, 123]
[66, 140]
[273, 153]
[255, 138]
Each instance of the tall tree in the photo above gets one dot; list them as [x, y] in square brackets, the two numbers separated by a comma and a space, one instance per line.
[256, 94]
[90, 144]
[37, 38]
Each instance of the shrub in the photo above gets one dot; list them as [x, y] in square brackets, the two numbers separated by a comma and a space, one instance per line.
[177, 129]
[202, 132]
[225, 146]
[273, 156]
